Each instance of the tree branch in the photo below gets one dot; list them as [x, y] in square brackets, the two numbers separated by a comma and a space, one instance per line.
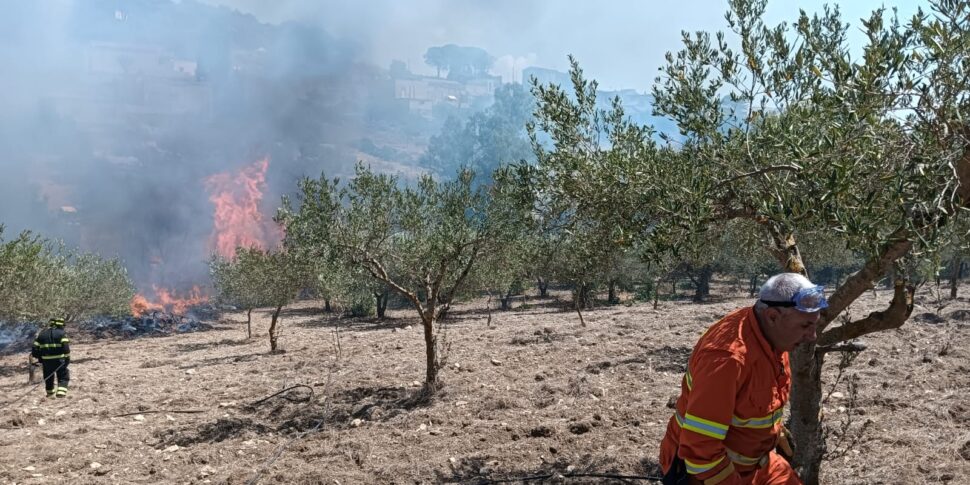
[893, 317]
[786, 251]
[461, 277]
[962, 169]
[843, 347]
[377, 270]
[861, 281]
[773, 168]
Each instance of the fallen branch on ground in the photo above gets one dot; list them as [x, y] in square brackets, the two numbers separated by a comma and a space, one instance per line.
[173, 411]
[267, 398]
[844, 347]
[326, 409]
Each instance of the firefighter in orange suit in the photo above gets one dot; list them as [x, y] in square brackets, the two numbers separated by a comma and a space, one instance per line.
[728, 420]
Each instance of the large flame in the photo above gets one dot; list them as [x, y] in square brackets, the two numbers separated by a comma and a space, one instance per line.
[168, 301]
[237, 223]
[237, 219]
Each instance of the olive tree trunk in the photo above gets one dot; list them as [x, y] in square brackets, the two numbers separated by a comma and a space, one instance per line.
[380, 301]
[612, 297]
[543, 286]
[955, 277]
[430, 350]
[273, 333]
[805, 422]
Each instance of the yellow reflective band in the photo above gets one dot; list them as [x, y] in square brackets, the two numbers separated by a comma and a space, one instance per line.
[696, 468]
[704, 426]
[47, 346]
[763, 422]
[721, 475]
[65, 339]
[51, 357]
[690, 381]
[741, 459]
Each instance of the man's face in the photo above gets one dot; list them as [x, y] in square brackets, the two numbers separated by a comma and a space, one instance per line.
[791, 327]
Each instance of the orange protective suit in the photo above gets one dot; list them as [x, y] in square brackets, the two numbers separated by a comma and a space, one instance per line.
[731, 404]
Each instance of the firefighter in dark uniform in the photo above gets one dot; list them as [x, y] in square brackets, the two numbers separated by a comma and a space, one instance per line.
[52, 349]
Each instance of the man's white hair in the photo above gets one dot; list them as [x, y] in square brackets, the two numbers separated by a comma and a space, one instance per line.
[782, 287]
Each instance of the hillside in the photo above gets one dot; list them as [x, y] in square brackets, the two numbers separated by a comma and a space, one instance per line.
[531, 395]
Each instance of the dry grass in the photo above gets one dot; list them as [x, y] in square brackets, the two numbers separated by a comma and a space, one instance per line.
[556, 396]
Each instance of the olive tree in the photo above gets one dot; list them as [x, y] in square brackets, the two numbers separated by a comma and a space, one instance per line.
[420, 240]
[872, 150]
[579, 185]
[89, 285]
[235, 285]
[258, 277]
[40, 278]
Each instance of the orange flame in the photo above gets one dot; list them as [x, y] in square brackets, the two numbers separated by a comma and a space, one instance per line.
[140, 305]
[168, 301]
[238, 221]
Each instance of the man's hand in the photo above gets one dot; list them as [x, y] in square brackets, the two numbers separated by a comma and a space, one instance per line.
[784, 445]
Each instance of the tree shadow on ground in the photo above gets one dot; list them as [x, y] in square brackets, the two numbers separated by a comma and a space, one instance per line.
[661, 359]
[544, 335]
[85, 360]
[528, 306]
[222, 429]
[359, 324]
[364, 403]
[7, 370]
[375, 403]
[229, 359]
[481, 470]
[227, 342]
[299, 412]
[303, 312]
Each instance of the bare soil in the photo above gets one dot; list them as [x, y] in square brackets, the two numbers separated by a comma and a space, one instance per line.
[533, 394]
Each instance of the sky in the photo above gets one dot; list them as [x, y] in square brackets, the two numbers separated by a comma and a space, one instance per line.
[620, 43]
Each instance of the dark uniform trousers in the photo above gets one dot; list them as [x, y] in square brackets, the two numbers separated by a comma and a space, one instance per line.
[52, 348]
[56, 368]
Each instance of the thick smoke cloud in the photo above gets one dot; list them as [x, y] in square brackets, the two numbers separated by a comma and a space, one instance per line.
[114, 113]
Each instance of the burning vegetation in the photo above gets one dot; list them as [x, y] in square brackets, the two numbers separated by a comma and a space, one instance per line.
[237, 222]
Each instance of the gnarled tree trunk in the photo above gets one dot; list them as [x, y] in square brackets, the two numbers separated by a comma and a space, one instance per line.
[612, 297]
[249, 323]
[805, 423]
[506, 300]
[955, 277]
[430, 351]
[582, 296]
[273, 334]
[380, 301]
[702, 283]
[543, 286]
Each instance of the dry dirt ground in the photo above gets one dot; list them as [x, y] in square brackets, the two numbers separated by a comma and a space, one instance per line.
[531, 395]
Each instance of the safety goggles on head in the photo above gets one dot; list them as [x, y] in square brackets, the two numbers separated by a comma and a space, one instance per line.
[807, 300]
[57, 322]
